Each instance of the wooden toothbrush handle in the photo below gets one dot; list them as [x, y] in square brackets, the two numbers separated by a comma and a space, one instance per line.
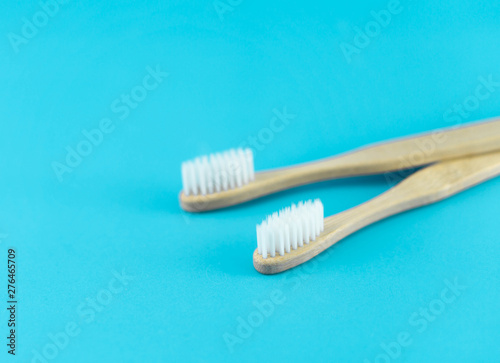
[479, 138]
[429, 185]
[454, 143]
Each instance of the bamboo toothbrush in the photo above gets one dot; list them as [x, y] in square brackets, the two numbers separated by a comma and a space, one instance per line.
[297, 234]
[221, 180]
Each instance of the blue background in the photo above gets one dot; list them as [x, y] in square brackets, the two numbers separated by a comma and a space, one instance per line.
[193, 277]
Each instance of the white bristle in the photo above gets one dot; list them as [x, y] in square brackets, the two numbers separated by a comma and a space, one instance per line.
[290, 228]
[218, 172]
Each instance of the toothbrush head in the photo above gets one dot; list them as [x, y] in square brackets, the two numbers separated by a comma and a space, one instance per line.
[217, 172]
[290, 229]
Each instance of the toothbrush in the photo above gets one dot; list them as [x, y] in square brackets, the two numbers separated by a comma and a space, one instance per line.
[225, 179]
[297, 234]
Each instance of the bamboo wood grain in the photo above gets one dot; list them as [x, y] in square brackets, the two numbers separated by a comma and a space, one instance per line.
[391, 156]
[429, 185]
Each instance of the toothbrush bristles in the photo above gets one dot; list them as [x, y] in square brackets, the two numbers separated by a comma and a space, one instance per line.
[218, 172]
[290, 228]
